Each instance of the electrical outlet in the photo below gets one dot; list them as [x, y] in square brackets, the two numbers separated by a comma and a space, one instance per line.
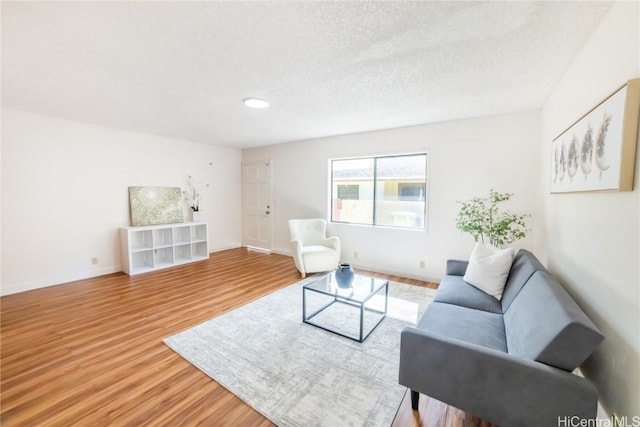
[355, 254]
[94, 260]
[422, 263]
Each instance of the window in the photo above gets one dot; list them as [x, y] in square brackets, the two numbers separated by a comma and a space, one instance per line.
[387, 190]
[411, 191]
[348, 191]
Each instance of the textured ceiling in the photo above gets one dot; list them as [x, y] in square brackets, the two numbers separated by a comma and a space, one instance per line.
[181, 69]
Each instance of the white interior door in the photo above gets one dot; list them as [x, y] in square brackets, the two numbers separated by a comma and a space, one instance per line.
[256, 194]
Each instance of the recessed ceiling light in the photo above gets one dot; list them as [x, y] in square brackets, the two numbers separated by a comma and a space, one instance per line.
[255, 103]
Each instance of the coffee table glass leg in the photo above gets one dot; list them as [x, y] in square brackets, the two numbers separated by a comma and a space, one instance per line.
[386, 297]
[361, 321]
[304, 305]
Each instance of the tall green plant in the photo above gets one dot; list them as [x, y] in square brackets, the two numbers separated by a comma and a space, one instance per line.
[482, 218]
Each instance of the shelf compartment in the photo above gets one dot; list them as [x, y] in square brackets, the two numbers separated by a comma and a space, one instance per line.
[199, 250]
[142, 260]
[163, 256]
[141, 240]
[182, 235]
[162, 237]
[182, 253]
[199, 233]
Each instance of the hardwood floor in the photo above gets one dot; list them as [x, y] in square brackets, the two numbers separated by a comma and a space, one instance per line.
[91, 353]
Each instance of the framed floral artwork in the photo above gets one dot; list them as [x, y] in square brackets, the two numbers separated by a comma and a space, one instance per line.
[155, 205]
[598, 152]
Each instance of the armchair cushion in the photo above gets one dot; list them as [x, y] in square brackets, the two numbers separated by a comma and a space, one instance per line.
[315, 258]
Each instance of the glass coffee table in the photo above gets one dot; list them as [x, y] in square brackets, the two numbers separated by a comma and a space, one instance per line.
[351, 310]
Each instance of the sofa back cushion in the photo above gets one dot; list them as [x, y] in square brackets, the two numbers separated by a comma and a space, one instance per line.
[488, 269]
[523, 266]
[546, 325]
[453, 290]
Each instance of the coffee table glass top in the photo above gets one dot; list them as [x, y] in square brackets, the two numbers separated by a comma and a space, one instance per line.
[352, 310]
[360, 289]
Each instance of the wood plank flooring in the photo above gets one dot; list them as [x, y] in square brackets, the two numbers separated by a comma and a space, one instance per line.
[90, 353]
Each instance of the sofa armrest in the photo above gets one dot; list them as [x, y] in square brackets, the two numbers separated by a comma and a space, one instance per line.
[332, 242]
[296, 248]
[493, 385]
[456, 267]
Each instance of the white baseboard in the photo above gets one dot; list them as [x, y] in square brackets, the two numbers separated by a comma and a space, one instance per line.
[377, 269]
[224, 248]
[253, 248]
[601, 413]
[401, 273]
[59, 280]
[279, 252]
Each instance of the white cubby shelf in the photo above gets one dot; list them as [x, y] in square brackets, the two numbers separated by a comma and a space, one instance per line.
[153, 247]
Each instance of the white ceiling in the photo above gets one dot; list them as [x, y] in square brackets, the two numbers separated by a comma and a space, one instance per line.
[181, 69]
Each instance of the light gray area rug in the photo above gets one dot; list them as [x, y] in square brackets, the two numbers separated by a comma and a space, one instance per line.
[298, 375]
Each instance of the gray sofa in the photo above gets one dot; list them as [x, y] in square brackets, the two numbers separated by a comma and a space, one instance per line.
[508, 361]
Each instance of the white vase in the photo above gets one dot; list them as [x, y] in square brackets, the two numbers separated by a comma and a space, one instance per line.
[197, 216]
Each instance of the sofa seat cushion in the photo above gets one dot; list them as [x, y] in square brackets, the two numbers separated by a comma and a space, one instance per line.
[465, 324]
[454, 290]
[544, 324]
[309, 253]
[315, 249]
[315, 257]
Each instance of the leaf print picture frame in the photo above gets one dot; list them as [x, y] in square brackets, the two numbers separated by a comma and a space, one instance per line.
[598, 151]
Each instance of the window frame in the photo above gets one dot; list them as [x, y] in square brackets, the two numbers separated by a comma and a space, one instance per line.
[375, 158]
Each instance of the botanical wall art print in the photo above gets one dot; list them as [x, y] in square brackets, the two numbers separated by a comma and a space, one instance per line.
[155, 205]
[597, 153]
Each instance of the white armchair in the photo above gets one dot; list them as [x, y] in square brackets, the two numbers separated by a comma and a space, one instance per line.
[312, 250]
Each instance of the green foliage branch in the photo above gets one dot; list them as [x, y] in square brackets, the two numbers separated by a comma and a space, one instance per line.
[482, 218]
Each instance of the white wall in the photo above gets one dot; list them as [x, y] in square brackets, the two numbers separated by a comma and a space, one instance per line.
[466, 159]
[64, 194]
[592, 240]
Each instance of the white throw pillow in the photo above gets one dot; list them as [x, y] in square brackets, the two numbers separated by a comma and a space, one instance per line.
[488, 269]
